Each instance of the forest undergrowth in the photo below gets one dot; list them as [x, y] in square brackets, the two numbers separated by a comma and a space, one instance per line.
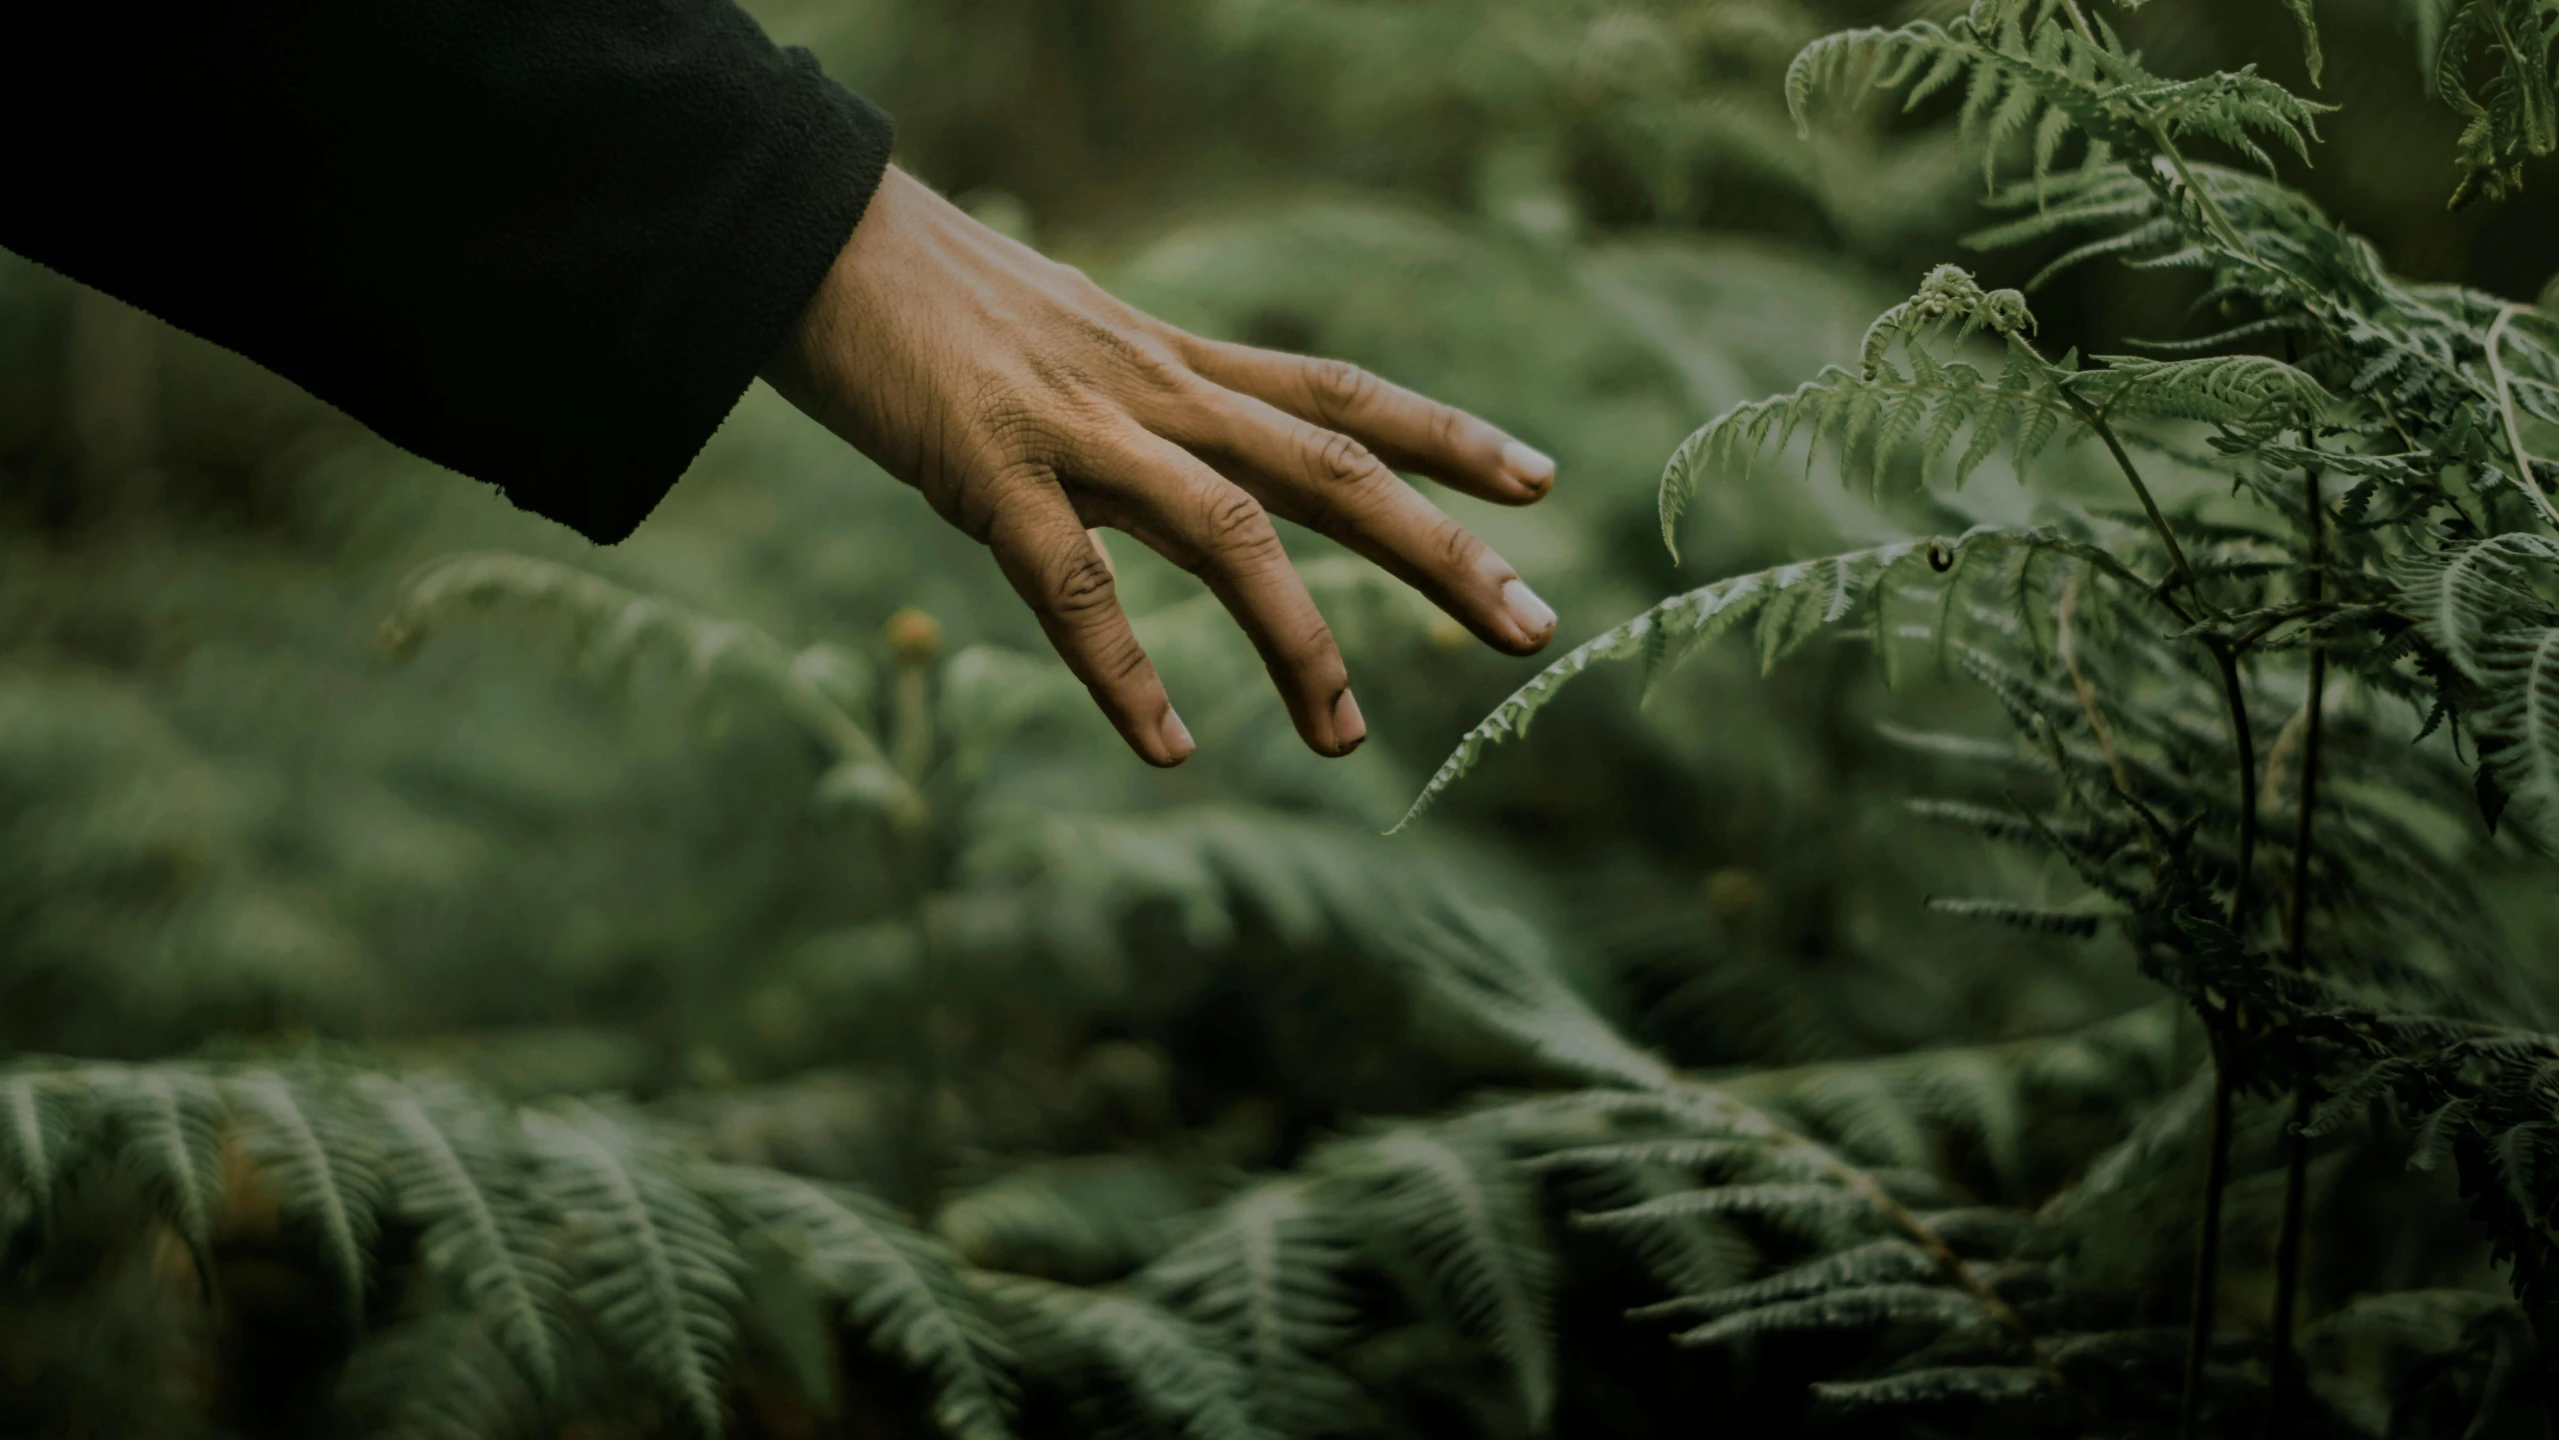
[2095, 985]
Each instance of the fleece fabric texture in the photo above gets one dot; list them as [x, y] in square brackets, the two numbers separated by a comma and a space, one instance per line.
[546, 243]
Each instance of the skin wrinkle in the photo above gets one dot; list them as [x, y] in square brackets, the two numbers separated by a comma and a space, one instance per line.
[1029, 405]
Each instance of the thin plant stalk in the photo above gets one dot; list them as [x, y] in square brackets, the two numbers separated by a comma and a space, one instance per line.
[2286, 1374]
[916, 641]
[2190, 1400]
[2217, 1163]
[2244, 743]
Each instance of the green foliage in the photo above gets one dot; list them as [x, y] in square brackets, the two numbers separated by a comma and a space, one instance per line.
[1267, 1275]
[557, 1249]
[1146, 1368]
[1445, 1199]
[2428, 580]
[2512, 116]
[894, 1284]
[782, 1016]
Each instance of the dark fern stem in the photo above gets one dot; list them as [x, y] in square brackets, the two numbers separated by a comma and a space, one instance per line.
[2224, 1082]
[2190, 1399]
[2286, 1374]
[2218, 1023]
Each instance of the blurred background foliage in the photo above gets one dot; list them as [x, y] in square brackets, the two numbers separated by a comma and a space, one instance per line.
[229, 819]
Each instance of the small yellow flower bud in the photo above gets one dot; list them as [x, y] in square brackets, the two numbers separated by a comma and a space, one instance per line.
[914, 637]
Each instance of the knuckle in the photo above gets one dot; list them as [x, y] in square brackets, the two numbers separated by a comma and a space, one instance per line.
[1450, 434]
[1339, 387]
[1456, 547]
[1233, 523]
[979, 509]
[1082, 590]
[1341, 460]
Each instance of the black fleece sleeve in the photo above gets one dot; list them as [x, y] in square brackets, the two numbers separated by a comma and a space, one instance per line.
[544, 242]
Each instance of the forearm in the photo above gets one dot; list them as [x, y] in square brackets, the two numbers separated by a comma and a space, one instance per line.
[545, 242]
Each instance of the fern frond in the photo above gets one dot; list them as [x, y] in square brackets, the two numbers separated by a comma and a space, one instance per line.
[1871, 1111]
[165, 1126]
[1788, 603]
[1934, 1385]
[1878, 1262]
[1267, 1274]
[2037, 75]
[1685, 1152]
[443, 1376]
[319, 1162]
[1462, 1213]
[1080, 1220]
[649, 1260]
[2076, 924]
[1845, 1310]
[1818, 1211]
[1173, 1373]
[2486, 605]
[1500, 972]
[900, 1287]
[2247, 393]
[2514, 116]
[2520, 673]
[2313, 58]
[1867, 417]
[2466, 592]
[456, 1174]
[613, 628]
[38, 1123]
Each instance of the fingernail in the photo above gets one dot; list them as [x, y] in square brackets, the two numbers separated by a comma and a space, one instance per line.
[1348, 727]
[1528, 466]
[1536, 620]
[1178, 744]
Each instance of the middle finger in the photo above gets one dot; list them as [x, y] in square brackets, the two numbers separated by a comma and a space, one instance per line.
[1334, 485]
[1162, 494]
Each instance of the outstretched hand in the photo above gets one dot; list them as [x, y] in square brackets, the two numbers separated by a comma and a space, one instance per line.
[1029, 406]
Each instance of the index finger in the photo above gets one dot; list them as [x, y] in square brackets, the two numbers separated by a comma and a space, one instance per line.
[1406, 430]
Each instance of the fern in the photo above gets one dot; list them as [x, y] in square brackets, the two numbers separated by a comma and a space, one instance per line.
[440, 1377]
[565, 1255]
[1843, 1309]
[36, 1126]
[2477, 602]
[1168, 1374]
[1449, 1201]
[1935, 1385]
[1877, 1262]
[1871, 414]
[2430, 580]
[1267, 1274]
[1786, 606]
[320, 1160]
[452, 1173]
[1084, 1219]
[2040, 71]
[902, 1290]
[2514, 116]
[166, 1129]
[821, 687]
[650, 1263]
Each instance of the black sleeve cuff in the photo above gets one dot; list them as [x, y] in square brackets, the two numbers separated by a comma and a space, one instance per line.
[731, 297]
[547, 243]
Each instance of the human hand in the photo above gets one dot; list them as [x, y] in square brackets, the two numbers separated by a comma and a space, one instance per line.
[1029, 406]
